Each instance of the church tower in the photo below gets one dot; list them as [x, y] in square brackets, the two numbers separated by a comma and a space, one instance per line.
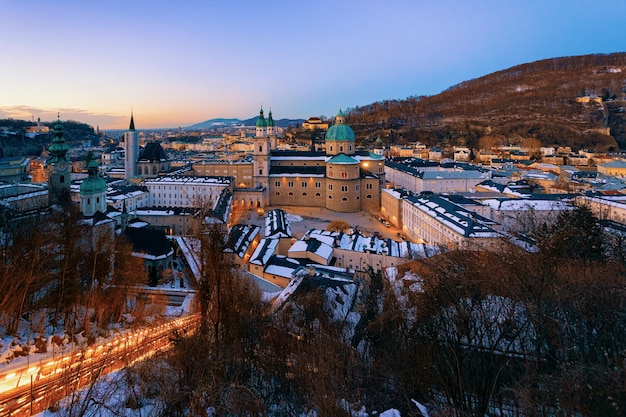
[261, 163]
[131, 150]
[261, 125]
[271, 131]
[93, 190]
[58, 166]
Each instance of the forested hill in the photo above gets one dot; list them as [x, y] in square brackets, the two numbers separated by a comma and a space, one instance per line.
[544, 100]
[13, 139]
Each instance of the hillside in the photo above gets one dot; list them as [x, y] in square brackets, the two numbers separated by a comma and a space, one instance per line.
[13, 139]
[550, 100]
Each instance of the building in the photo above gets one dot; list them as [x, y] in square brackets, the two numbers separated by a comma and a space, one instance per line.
[315, 123]
[15, 169]
[615, 168]
[179, 191]
[436, 220]
[152, 161]
[436, 179]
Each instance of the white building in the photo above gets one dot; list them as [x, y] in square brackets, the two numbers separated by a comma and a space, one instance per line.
[186, 191]
[434, 219]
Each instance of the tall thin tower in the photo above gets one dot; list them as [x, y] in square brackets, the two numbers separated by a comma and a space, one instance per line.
[131, 151]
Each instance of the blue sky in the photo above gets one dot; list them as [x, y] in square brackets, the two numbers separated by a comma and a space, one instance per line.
[178, 63]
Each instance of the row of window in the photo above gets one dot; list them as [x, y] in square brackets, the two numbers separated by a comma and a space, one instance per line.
[330, 197]
[303, 184]
[303, 194]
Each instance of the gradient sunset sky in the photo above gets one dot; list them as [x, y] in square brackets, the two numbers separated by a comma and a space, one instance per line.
[176, 63]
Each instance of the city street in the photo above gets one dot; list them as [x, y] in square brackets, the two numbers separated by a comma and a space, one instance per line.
[36, 386]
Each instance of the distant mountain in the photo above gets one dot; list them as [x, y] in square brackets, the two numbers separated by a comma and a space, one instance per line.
[217, 123]
[214, 123]
[577, 101]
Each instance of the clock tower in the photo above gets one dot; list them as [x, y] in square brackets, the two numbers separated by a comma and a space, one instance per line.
[58, 167]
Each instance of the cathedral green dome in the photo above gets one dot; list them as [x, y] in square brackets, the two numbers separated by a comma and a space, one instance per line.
[340, 131]
[261, 123]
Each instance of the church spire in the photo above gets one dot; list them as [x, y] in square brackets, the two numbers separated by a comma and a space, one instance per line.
[132, 122]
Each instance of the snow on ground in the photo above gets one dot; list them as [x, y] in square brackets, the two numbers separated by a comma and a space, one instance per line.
[293, 218]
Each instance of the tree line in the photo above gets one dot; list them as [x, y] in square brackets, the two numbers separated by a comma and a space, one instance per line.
[59, 274]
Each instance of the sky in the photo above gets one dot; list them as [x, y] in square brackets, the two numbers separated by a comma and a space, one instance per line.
[176, 63]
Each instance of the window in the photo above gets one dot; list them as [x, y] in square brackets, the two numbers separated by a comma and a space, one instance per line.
[368, 186]
[277, 183]
[304, 194]
[344, 199]
[368, 196]
[318, 195]
[318, 184]
[341, 149]
[330, 197]
[290, 184]
[330, 187]
[260, 148]
[344, 188]
[261, 171]
[304, 184]
[290, 193]
[357, 187]
[344, 174]
[277, 192]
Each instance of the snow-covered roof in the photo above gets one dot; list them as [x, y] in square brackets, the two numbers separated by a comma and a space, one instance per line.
[455, 217]
[276, 224]
[281, 266]
[264, 251]
[313, 246]
[240, 237]
[200, 180]
[372, 244]
[516, 204]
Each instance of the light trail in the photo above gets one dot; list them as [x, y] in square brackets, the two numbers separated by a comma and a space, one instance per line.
[36, 386]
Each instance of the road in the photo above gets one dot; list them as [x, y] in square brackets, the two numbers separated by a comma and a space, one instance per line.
[34, 388]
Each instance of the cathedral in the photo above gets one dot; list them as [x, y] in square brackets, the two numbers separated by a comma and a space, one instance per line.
[340, 179]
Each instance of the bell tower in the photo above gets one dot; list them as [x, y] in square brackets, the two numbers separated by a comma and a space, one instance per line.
[58, 166]
[131, 150]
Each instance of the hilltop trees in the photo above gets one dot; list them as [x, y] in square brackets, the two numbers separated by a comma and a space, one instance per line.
[535, 100]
